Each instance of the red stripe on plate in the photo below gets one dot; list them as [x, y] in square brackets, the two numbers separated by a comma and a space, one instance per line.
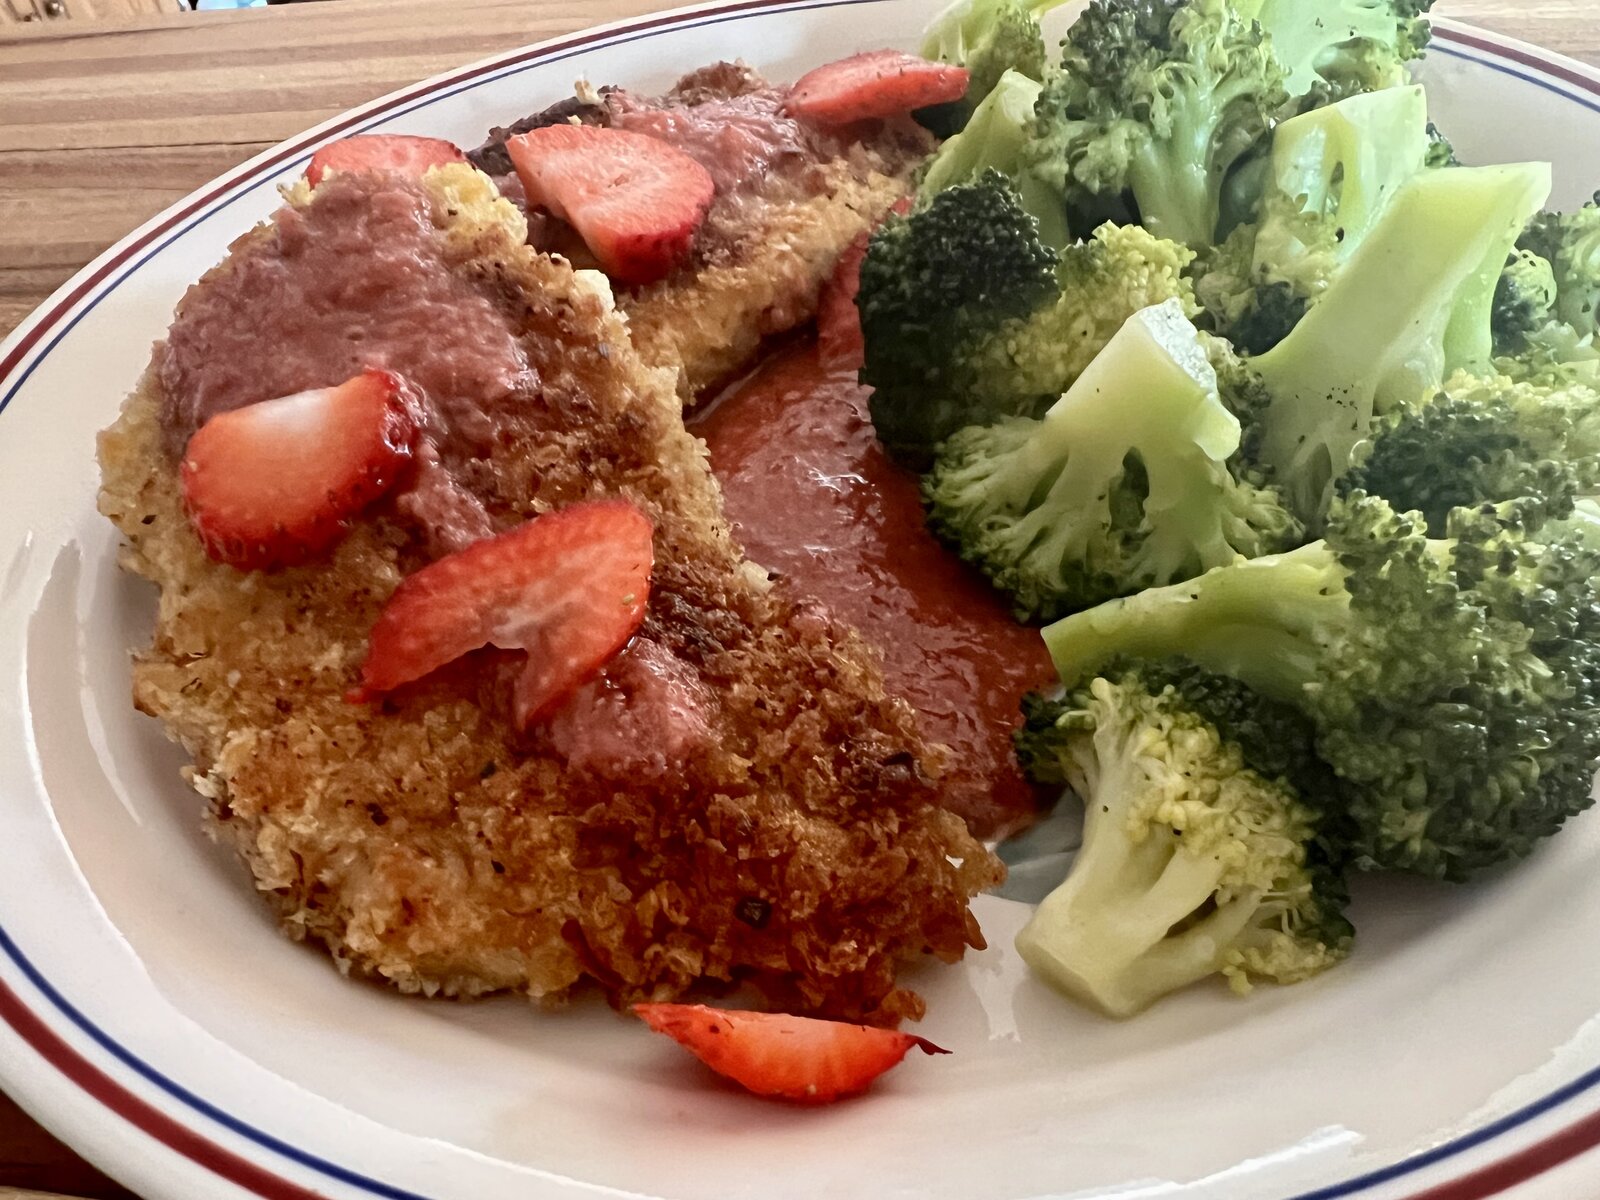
[137, 1112]
[1522, 1166]
[1526, 58]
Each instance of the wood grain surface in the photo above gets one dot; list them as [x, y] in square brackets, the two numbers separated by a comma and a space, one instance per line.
[105, 123]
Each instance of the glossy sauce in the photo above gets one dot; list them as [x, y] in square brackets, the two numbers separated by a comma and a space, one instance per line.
[813, 497]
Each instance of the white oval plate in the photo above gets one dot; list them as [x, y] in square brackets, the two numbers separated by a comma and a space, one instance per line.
[152, 1017]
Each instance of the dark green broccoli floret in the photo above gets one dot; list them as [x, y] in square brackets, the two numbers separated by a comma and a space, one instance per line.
[1570, 243]
[1155, 102]
[1122, 484]
[1341, 47]
[1481, 442]
[1524, 301]
[935, 287]
[968, 317]
[1196, 861]
[1453, 684]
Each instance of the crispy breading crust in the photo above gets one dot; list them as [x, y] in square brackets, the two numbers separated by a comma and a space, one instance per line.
[708, 319]
[425, 844]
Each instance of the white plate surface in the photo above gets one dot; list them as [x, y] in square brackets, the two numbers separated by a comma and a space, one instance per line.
[151, 1015]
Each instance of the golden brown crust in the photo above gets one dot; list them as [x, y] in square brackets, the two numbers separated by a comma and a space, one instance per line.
[709, 319]
[423, 843]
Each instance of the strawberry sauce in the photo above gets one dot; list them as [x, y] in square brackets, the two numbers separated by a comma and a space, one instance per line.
[813, 498]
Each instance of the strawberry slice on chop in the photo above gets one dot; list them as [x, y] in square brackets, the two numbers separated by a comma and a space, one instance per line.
[568, 587]
[775, 1054]
[635, 200]
[877, 83]
[276, 483]
[382, 152]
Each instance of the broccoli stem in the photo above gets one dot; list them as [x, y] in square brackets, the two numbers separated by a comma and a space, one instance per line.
[1375, 340]
[1260, 621]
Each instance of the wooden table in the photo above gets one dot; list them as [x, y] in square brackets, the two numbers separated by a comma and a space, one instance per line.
[104, 124]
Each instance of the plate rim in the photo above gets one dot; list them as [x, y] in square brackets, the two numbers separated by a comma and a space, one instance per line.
[149, 1143]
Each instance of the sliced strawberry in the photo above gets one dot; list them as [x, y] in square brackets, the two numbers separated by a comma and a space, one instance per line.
[839, 341]
[276, 483]
[878, 83]
[568, 587]
[775, 1054]
[635, 200]
[382, 152]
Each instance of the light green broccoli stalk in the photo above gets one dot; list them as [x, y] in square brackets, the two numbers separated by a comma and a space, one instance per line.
[1412, 300]
[1123, 484]
[1193, 863]
[1332, 172]
[989, 38]
[993, 140]
[1343, 46]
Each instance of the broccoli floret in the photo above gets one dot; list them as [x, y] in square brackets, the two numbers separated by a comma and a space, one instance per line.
[1453, 684]
[1412, 297]
[1441, 153]
[989, 38]
[1344, 46]
[993, 140]
[1570, 243]
[1155, 102]
[1332, 172]
[1194, 863]
[1467, 446]
[935, 288]
[1123, 484]
[965, 324]
[1524, 302]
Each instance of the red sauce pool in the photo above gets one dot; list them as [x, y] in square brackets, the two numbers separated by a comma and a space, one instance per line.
[813, 497]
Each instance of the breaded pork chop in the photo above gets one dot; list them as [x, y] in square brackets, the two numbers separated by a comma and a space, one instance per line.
[791, 198]
[734, 798]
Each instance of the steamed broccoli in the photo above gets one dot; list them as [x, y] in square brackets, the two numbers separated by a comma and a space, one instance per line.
[1331, 172]
[1341, 47]
[994, 139]
[1197, 858]
[1524, 302]
[1123, 483]
[1570, 243]
[1441, 152]
[935, 288]
[989, 38]
[968, 316]
[1413, 301]
[1483, 441]
[1460, 450]
[1155, 102]
[1454, 685]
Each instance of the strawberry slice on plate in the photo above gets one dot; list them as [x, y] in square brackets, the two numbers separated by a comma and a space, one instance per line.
[877, 83]
[635, 200]
[382, 152]
[568, 587]
[775, 1054]
[276, 483]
